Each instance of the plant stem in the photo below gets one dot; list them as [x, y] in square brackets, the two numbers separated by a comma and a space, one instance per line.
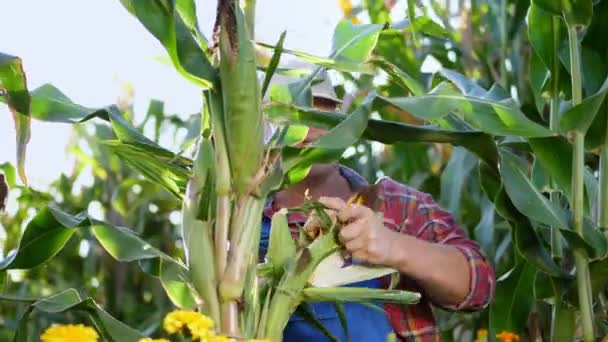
[249, 8]
[503, 41]
[582, 266]
[556, 237]
[603, 186]
[578, 172]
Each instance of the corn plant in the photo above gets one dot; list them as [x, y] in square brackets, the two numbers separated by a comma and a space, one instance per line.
[535, 163]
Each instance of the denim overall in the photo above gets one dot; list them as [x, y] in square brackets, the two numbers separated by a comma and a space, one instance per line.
[365, 324]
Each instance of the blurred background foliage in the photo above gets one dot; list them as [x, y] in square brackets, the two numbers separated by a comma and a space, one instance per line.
[485, 40]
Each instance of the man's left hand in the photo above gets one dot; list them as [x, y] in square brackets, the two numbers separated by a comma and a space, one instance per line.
[363, 234]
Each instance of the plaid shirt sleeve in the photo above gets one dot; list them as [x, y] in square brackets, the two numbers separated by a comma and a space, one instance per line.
[425, 219]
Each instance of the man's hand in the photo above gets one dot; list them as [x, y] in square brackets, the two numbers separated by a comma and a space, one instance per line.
[363, 234]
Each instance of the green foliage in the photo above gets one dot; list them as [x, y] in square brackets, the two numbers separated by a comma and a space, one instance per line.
[502, 95]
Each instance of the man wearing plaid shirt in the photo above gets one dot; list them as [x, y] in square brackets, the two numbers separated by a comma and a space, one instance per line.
[413, 235]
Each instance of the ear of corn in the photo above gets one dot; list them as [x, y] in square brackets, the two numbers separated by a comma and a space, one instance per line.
[241, 97]
[197, 233]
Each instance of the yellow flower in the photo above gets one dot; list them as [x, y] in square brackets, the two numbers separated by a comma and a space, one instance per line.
[199, 325]
[69, 333]
[220, 338]
[346, 7]
[147, 339]
[259, 340]
[507, 336]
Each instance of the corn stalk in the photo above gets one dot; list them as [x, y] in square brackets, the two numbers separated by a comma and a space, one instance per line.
[578, 172]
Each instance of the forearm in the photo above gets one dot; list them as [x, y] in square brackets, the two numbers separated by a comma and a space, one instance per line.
[441, 270]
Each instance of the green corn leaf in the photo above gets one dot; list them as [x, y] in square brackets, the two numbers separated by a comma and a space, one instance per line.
[453, 178]
[354, 43]
[576, 12]
[187, 11]
[501, 117]
[484, 230]
[326, 62]
[45, 235]
[51, 228]
[351, 43]
[524, 236]
[399, 77]
[411, 13]
[356, 294]
[531, 202]
[171, 176]
[274, 62]
[329, 147]
[281, 246]
[13, 91]
[526, 197]
[555, 155]
[541, 29]
[513, 299]
[580, 117]
[50, 104]
[163, 21]
[109, 327]
[386, 131]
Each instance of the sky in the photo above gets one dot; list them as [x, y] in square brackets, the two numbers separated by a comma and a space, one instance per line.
[90, 49]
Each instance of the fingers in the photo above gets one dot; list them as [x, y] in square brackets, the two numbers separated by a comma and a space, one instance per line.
[353, 212]
[333, 203]
[350, 232]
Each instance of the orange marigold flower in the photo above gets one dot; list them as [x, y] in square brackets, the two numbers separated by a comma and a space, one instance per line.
[69, 333]
[507, 336]
[147, 339]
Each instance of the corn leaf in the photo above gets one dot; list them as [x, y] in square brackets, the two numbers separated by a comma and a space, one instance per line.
[531, 202]
[576, 12]
[580, 117]
[44, 236]
[540, 30]
[274, 63]
[526, 197]
[170, 175]
[49, 231]
[325, 62]
[162, 19]
[109, 327]
[497, 117]
[356, 294]
[555, 155]
[387, 132]
[13, 91]
[513, 299]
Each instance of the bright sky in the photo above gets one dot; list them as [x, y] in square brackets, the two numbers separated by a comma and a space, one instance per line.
[88, 49]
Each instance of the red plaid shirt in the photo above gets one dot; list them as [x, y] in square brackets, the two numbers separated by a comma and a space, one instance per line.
[412, 212]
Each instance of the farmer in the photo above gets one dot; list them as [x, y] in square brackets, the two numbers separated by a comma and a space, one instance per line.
[414, 235]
